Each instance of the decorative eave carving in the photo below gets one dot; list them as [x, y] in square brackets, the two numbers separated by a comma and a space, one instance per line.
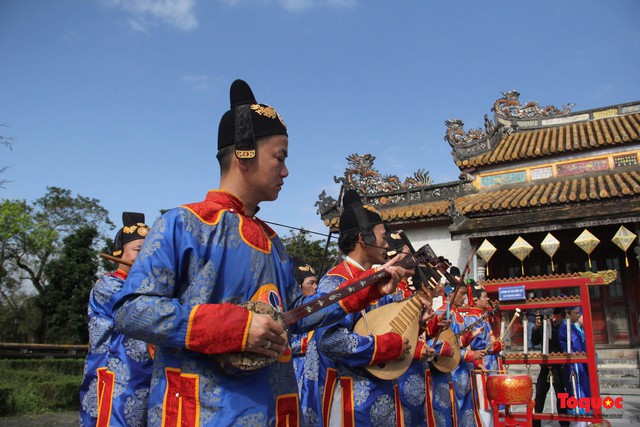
[387, 190]
[509, 107]
[362, 176]
[476, 141]
[454, 213]
[605, 276]
[510, 116]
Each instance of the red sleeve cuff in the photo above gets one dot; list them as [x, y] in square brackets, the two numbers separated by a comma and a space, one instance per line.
[446, 350]
[469, 355]
[432, 326]
[218, 328]
[466, 339]
[363, 297]
[388, 347]
[497, 347]
[419, 347]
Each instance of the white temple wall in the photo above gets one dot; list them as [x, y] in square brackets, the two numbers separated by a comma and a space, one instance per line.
[439, 238]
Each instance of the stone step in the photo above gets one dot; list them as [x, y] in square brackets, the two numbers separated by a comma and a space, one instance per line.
[631, 362]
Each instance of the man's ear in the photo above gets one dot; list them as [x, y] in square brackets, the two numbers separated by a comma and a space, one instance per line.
[243, 164]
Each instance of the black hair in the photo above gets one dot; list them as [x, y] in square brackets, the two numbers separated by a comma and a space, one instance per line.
[347, 241]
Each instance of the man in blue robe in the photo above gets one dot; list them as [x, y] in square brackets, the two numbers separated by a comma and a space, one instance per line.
[339, 391]
[576, 379]
[117, 370]
[200, 263]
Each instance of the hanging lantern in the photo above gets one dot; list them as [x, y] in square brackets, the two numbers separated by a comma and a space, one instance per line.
[623, 240]
[550, 245]
[486, 251]
[521, 249]
[587, 243]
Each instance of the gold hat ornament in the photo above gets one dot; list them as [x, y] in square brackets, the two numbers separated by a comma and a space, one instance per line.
[521, 249]
[486, 251]
[623, 239]
[587, 242]
[550, 245]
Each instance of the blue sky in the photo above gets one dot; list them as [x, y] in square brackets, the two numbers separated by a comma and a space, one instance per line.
[120, 100]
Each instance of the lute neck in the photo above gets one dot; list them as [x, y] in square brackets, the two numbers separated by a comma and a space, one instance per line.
[349, 288]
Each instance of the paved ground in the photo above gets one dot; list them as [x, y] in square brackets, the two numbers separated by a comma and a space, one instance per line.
[629, 415]
[60, 419]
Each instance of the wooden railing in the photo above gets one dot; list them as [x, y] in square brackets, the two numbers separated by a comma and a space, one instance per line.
[9, 350]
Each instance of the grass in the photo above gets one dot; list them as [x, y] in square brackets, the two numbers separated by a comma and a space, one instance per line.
[39, 386]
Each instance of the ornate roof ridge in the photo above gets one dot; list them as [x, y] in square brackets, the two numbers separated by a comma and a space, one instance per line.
[476, 146]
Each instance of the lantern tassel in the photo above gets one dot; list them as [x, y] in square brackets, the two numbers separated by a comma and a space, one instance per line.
[626, 260]
[589, 257]
[522, 265]
[552, 268]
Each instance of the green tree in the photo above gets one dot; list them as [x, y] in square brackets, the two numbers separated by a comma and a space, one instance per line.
[70, 279]
[32, 234]
[312, 252]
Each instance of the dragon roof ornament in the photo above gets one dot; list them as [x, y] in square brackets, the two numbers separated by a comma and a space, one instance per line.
[476, 141]
[509, 107]
[510, 116]
[361, 175]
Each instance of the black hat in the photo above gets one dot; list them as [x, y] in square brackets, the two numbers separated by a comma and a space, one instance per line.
[394, 239]
[246, 121]
[301, 271]
[454, 271]
[356, 216]
[476, 290]
[134, 229]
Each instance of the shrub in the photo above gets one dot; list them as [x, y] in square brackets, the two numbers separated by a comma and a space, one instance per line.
[39, 386]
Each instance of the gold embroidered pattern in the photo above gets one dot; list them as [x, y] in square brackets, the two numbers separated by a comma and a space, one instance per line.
[264, 111]
[129, 230]
[267, 111]
[306, 268]
[140, 228]
[245, 154]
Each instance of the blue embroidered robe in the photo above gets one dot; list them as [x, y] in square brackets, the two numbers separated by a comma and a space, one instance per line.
[576, 377]
[444, 394]
[337, 356]
[198, 263]
[117, 370]
[490, 362]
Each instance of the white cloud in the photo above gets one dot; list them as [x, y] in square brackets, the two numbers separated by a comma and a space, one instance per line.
[145, 13]
[198, 82]
[299, 5]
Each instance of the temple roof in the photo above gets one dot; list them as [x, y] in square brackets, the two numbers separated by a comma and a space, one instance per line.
[588, 187]
[534, 168]
[561, 139]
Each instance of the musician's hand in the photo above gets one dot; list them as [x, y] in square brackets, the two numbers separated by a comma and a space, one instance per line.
[406, 349]
[427, 352]
[479, 354]
[266, 336]
[477, 331]
[427, 311]
[443, 324]
[396, 272]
